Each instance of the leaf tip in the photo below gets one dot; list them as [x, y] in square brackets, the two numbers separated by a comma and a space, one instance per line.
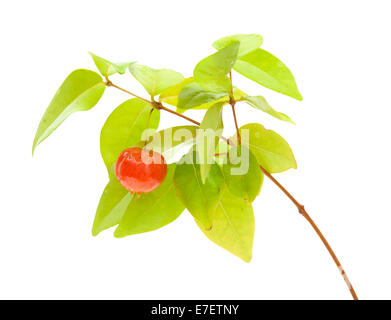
[94, 231]
[247, 258]
[298, 96]
[118, 233]
[35, 144]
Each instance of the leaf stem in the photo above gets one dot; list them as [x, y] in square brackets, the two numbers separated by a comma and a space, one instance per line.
[110, 84]
[304, 213]
[232, 102]
[148, 122]
[300, 207]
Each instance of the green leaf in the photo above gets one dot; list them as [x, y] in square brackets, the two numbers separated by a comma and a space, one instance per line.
[211, 130]
[171, 95]
[211, 73]
[241, 173]
[271, 150]
[124, 127]
[199, 198]
[238, 94]
[80, 91]
[167, 141]
[153, 210]
[112, 205]
[233, 226]
[248, 43]
[107, 68]
[260, 103]
[265, 69]
[155, 81]
[193, 95]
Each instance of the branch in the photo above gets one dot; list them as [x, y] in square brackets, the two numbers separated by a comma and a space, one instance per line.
[161, 107]
[299, 206]
[304, 213]
[110, 84]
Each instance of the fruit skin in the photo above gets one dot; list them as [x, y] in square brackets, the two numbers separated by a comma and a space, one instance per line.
[140, 170]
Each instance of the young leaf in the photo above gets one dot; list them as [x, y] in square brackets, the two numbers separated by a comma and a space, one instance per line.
[193, 95]
[271, 150]
[208, 137]
[168, 140]
[112, 205]
[260, 103]
[265, 69]
[107, 68]
[155, 81]
[80, 91]
[248, 43]
[211, 73]
[153, 210]
[233, 226]
[171, 95]
[199, 198]
[124, 127]
[238, 94]
[242, 175]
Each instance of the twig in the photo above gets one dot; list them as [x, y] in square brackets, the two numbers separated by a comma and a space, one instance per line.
[304, 213]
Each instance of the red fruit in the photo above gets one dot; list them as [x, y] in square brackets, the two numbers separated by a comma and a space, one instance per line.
[140, 170]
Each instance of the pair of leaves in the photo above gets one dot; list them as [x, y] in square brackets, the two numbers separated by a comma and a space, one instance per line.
[259, 65]
[124, 128]
[80, 91]
[190, 95]
[108, 68]
[155, 81]
[233, 218]
[223, 217]
[137, 214]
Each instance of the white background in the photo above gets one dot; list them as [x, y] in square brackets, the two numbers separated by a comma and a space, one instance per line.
[339, 52]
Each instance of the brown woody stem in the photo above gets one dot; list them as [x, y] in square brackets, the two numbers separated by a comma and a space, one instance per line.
[304, 213]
